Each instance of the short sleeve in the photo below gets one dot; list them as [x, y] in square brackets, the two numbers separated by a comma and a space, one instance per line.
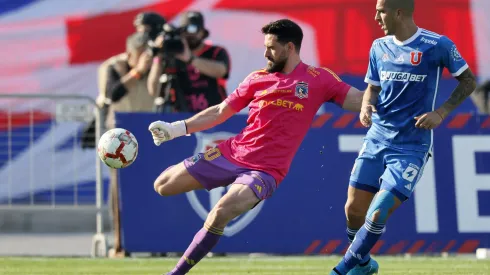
[220, 54]
[242, 96]
[372, 75]
[450, 57]
[335, 89]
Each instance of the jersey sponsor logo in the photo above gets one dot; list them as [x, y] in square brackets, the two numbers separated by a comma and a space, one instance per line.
[428, 41]
[282, 103]
[455, 53]
[400, 76]
[415, 58]
[282, 91]
[203, 201]
[301, 90]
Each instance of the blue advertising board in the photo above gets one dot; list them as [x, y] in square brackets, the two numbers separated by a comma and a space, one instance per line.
[449, 212]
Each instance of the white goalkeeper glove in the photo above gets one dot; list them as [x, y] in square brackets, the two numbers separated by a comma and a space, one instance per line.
[163, 131]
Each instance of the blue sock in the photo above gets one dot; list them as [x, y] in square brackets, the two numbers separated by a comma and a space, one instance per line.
[365, 239]
[351, 233]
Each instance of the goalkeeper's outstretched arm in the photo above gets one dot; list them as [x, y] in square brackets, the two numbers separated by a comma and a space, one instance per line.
[163, 131]
[209, 118]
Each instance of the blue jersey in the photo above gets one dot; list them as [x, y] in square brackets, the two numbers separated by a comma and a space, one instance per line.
[408, 73]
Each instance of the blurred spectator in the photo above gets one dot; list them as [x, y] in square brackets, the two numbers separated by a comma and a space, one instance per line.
[481, 97]
[150, 23]
[123, 88]
[192, 77]
[123, 79]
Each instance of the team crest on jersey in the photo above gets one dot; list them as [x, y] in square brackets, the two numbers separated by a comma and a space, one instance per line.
[415, 58]
[455, 53]
[301, 90]
[203, 201]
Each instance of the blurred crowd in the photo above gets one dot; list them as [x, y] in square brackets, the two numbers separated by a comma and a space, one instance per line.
[165, 68]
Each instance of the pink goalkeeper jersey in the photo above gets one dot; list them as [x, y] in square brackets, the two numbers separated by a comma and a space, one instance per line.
[282, 108]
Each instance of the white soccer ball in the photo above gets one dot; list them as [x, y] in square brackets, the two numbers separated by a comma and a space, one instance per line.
[117, 148]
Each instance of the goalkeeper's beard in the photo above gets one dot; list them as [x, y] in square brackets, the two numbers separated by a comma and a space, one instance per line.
[276, 66]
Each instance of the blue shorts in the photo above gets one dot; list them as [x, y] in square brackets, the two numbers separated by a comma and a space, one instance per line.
[381, 167]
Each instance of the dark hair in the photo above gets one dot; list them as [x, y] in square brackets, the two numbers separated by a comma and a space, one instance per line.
[406, 5]
[286, 31]
[154, 20]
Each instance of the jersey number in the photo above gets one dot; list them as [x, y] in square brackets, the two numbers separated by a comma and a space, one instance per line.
[198, 102]
[212, 154]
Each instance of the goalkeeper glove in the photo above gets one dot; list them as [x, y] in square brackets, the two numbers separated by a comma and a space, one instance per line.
[163, 131]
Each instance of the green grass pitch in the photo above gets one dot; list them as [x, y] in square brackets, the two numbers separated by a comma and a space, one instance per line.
[236, 265]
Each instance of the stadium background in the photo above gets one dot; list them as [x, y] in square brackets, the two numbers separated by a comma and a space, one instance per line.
[47, 182]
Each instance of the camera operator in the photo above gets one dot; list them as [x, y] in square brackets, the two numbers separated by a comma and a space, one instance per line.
[187, 74]
[481, 97]
[149, 23]
[123, 80]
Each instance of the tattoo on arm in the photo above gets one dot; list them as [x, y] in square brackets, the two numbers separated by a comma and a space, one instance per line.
[466, 86]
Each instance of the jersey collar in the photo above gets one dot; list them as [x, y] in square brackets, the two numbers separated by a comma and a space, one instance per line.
[294, 71]
[408, 41]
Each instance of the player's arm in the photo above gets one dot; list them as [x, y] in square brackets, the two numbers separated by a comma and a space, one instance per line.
[163, 131]
[369, 100]
[353, 100]
[212, 116]
[467, 84]
[340, 93]
[370, 97]
[209, 118]
[450, 58]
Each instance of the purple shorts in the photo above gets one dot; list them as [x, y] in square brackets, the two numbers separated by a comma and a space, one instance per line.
[212, 170]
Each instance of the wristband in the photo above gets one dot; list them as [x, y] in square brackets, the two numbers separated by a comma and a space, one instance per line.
[180, 128]
[134, 73]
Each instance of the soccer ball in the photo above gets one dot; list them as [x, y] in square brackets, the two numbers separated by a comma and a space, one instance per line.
[117, 148]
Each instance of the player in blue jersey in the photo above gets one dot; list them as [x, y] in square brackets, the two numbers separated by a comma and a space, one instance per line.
[398, 105]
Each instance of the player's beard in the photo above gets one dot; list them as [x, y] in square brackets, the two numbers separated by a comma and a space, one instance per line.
[276, 66]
